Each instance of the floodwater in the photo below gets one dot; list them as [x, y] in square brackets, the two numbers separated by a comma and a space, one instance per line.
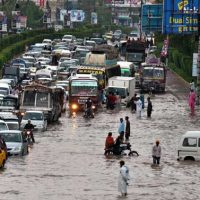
[67, 161]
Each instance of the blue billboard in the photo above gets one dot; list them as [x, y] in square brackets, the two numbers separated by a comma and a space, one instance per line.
[180, 16]
[152, 18]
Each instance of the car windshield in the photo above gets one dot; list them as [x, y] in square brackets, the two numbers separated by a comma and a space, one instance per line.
[3, 126]
[11, 137]
[121, 91]
[125, 72]
[33, 116]
[84, 88]
[7, 102]
[13, 126]
[4, 91]
[153, 72]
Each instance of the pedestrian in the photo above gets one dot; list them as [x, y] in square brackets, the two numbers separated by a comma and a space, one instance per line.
[192, 85]
[142, 99]
[118, 101]
[121, 126]
[127, 129]
[156, 153]
[139, 108]
[192, 98]
[123, 178]
[149, 107]
[133, 103]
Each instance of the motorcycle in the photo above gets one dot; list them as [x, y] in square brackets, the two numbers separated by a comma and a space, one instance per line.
[28, 136]
[89, 112]
[122, 150]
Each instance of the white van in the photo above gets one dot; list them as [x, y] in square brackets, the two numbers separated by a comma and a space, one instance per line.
[189, 146]
[5, 89]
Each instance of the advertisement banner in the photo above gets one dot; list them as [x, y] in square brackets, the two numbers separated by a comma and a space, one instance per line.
[77, 16]
[41, 3]
[180, 16]
[47, 17]
[16, 19]
[152, 18]
[3, 22]
[93, 18]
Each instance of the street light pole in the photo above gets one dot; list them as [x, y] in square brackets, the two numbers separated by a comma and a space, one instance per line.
[198, 60]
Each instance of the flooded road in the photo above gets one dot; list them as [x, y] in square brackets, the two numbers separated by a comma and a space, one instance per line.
[67, 161]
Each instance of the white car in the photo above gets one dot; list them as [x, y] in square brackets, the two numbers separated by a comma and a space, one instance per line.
[37, 119]
[15, 141]
[189, 146]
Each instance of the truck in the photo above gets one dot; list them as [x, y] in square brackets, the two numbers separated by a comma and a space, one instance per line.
[101, 62]
[124, 85]
[135, 51]
[153, 75]
[11, 72]
[43, 98]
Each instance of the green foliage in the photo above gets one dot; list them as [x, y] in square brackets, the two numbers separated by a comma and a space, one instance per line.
[35, 15]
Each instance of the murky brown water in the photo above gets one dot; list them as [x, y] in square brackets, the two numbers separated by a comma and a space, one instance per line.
[67, 161]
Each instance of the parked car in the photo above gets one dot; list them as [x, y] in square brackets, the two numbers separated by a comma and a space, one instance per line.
[189, 146]
[15, 141]
[37, 119]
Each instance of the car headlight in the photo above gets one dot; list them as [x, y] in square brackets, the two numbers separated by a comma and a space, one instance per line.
[74, 106]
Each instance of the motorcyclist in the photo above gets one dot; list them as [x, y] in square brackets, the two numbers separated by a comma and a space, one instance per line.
[116, 148]
[30, 128]
[3, 146]
[88, 107]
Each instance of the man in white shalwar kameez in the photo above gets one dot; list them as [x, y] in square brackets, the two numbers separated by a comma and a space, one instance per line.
[123, 178]
[139, 108]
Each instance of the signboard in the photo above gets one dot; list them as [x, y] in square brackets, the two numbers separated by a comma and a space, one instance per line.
[77, 16]
[194, 64]
[3, 22]
[16, 19]
[180, 16]
[47, 16]
[152, 18]
[93, 18]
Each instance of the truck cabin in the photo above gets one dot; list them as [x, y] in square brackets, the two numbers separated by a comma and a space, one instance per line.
[135, 51]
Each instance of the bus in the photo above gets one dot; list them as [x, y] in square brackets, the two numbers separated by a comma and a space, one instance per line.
[82, 87]
[101, 73]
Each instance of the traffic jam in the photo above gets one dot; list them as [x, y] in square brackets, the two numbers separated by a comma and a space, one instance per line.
[74, 76]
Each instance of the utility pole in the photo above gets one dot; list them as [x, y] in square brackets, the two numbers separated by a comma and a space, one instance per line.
[198, 61]
[141, 4]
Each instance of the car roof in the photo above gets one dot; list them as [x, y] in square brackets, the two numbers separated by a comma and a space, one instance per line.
[33, 111]
[11, 131]
[192, 134]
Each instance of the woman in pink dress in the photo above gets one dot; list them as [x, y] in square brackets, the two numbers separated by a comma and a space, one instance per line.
[192, 101]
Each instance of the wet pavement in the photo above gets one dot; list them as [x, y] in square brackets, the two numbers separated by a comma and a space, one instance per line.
[67, 161]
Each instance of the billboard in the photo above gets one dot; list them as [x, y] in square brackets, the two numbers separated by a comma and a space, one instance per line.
[180, 16]
[47, 16]
[152, 18]
[3, 22]
[16, 19]
[77, 16]
[93, 18]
